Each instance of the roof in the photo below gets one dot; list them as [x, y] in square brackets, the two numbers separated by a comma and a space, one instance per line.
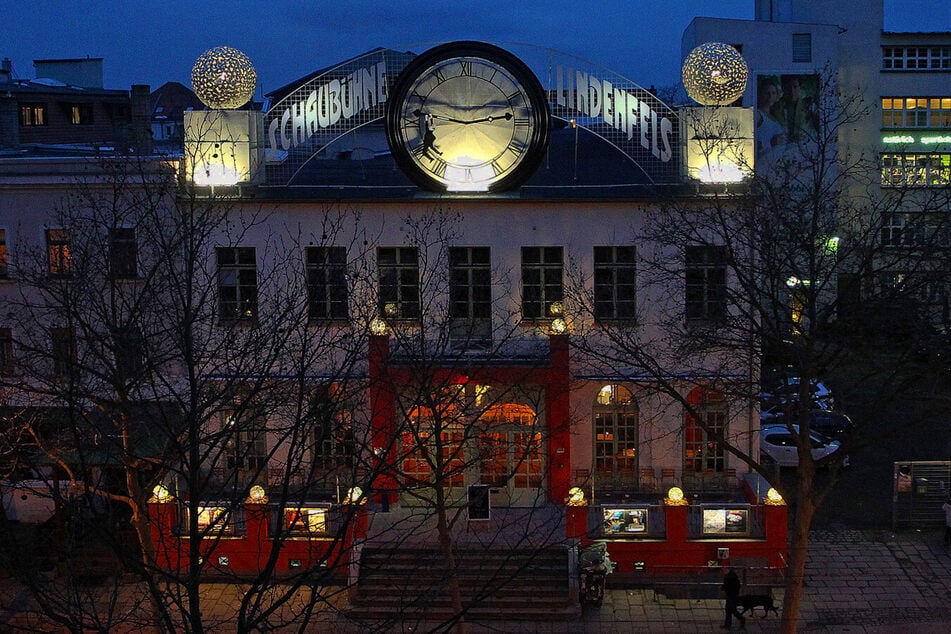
[172, 99]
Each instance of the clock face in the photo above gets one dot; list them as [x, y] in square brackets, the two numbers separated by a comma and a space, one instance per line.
[467, 117]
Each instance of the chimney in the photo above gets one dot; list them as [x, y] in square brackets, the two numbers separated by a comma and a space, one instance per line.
[9, 122]
[141, 119]
[6, 71]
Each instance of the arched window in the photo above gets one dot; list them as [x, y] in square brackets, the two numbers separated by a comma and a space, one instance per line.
[615, 439]
[702, 452]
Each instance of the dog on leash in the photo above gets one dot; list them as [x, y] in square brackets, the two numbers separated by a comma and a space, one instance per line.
[749, 603]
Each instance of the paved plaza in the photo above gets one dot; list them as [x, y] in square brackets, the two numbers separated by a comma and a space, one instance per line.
[856, 581]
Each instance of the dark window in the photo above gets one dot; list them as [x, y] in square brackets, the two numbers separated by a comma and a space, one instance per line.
[802, 47]
[63, 351]
[129, 351]
[333, 431]
[470, 293]
[398, 268]
[4, 271]
[541, 281]
[705, 283]
[81, 114]
[57, 249]
[326, 284]
[237, 284]
[6, 351]
[32, 114]
[123, 253]
[615, 283]
[245, 447]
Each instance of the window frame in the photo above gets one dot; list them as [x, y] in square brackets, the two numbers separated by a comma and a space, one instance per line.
[612, 276]
[398, 284]
[326, 281]
[611, 447]
[4, 253]
[82, 114]
[712, 301]
[915, 169]
[241, 304]
[58, 252]
[7, 362]
[470, 295]
[802, 48]
[27, 114]
[63, 351]
[123, 253]
[916, 58]
[545, 266]
[916, 113]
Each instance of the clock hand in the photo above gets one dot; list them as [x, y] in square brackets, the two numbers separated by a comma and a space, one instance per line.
[507, 116]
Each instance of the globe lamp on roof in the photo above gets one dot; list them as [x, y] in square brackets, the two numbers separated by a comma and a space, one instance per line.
[715, 74]
[224, 78]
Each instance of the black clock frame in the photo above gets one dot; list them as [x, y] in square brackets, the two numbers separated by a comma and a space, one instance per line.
[541, 119]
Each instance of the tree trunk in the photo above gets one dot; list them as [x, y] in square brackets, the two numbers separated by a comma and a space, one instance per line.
[798, 547]
[446, 545]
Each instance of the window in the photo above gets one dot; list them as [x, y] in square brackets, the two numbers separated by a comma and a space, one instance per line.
[6, 351]
[470, 293]
[326, 284]
[703, 453]
[237, 284]
[398, 269]
[802, 47]
[705, 283]
[4, 271]
[541, 281]
[123, 253]
[916, 58]
[916, 112]
[129, 351]
[63, 351]
[916, 230]
[32, 114]
[306, 520]
[57, 249]
[916, 170]
[615, 439]
[333, 431]
[615, 283]
[80, 114]
[245, 450]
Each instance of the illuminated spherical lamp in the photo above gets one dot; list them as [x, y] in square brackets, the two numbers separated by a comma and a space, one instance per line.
[378, 326]
[675, 497]
[714, 74]
[223, 78]
[160, 494]
[355, 496]
[774, 497]
[575, 496]
[257, 495]
[558, 326]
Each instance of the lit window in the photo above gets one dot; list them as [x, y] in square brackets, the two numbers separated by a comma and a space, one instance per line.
[80, 114]
[615, 439]
[58, 252]
[245, 447]
[916, 112]
[703, 452]
[32, 114]
[916, 170]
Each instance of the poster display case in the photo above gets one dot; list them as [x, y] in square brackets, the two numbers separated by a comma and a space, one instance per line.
[725, 520]
[625, 521]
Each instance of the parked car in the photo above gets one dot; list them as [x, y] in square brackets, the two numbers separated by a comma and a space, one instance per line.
[833, 424]
[778, 444]
[786, 389]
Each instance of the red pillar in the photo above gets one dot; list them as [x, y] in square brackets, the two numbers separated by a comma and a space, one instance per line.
[776, 522]
[558, 409]
[677, 533]
[162, 517]
[576, 523]
[382, 420]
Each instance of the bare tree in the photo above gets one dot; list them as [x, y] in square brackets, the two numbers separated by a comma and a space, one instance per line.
[778, 269]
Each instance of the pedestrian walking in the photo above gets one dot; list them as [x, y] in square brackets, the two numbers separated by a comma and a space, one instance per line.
[946, 507]
[731, 586]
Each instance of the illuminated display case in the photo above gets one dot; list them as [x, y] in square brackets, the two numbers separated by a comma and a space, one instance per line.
[630, 521]
[309, 520]
[719, 520]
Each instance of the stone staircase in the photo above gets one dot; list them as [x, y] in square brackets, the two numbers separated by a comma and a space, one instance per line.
[403, 583]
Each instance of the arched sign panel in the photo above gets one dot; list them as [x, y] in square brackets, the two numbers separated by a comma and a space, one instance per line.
[351, 95]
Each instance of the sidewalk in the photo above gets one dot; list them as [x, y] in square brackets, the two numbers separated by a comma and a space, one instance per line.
[856, 582]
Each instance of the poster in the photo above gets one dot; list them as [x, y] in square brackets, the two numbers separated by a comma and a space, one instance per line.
[625, 521]
[725, 521]
[786, 117]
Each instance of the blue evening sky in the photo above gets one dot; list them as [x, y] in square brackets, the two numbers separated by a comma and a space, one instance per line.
[152, 43]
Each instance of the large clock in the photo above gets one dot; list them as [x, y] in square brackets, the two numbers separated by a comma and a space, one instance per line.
[467, 116]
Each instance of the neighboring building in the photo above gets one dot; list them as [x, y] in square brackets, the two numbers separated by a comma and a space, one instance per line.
[169, 102]
[903, 78]
[67, 106]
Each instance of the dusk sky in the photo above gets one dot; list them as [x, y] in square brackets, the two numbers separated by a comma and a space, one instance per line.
[152, 43]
